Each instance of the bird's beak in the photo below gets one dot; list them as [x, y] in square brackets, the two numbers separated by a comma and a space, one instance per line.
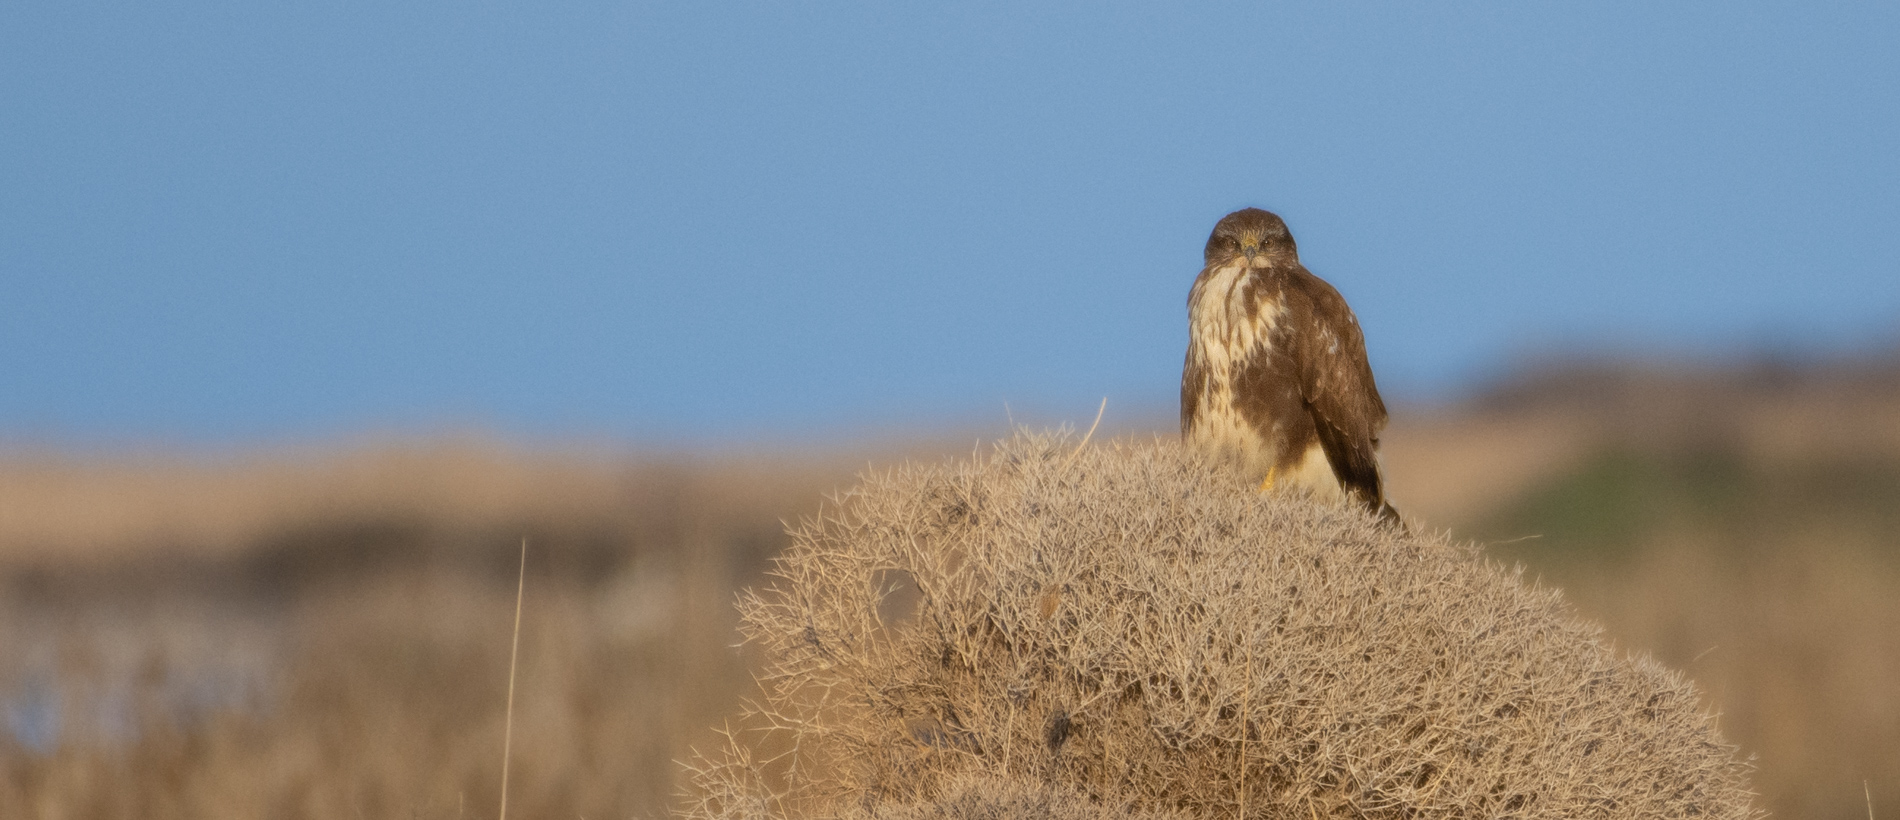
[1251, 250]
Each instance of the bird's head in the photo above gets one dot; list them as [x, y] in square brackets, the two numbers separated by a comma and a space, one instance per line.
[1257, 235]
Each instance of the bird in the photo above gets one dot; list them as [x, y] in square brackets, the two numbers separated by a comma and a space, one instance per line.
[1276, 379]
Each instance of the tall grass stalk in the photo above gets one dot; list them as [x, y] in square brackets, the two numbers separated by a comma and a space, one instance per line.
[514, 656]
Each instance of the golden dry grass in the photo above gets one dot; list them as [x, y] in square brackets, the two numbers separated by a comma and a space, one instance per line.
[319, 631]
[354, 662]
[1743, 526]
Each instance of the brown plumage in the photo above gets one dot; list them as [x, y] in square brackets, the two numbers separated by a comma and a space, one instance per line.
[1276, 378]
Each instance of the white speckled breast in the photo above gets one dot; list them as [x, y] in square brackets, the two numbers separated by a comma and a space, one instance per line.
[1225, 331]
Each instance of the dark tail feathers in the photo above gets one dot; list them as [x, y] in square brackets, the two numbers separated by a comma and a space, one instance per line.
[1357, 469]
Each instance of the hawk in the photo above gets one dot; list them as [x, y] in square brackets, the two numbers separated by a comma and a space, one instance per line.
[1276, 378]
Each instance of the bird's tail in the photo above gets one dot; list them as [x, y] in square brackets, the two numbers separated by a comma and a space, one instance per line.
[1356, 464]
[1390, 516]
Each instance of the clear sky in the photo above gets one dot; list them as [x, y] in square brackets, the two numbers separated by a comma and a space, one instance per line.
[240, 221]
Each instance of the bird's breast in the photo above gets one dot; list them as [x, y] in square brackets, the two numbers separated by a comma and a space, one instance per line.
[1232, 314]
[1231, 317]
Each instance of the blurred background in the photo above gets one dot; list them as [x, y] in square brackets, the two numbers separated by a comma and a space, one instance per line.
[310, 315]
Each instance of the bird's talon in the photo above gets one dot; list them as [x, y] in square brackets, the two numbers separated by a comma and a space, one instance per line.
[1267, 484]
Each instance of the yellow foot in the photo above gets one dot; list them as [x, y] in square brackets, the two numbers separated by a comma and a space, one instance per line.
[1267, 485]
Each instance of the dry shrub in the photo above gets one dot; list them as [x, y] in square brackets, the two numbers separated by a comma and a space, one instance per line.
[388, 702]
[1800, 645]
[984, 797]
[336, 670]
[1062, 631]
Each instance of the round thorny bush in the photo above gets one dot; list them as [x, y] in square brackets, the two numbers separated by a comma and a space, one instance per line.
[1051, 630]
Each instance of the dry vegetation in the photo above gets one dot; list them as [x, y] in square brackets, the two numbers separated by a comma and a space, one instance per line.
[324, 632]
[1743, 526]
[351, 660]
[1130, 629]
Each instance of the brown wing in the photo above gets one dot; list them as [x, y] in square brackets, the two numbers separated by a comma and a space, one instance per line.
[1193, 374]
[1192, 380]
[1336, 383]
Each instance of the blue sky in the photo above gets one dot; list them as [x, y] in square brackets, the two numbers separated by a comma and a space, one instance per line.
[228, 222]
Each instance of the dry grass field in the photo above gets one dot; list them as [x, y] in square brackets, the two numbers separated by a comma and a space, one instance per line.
[324, 632]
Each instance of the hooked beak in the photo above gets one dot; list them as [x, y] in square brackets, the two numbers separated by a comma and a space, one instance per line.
[1251, 251]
